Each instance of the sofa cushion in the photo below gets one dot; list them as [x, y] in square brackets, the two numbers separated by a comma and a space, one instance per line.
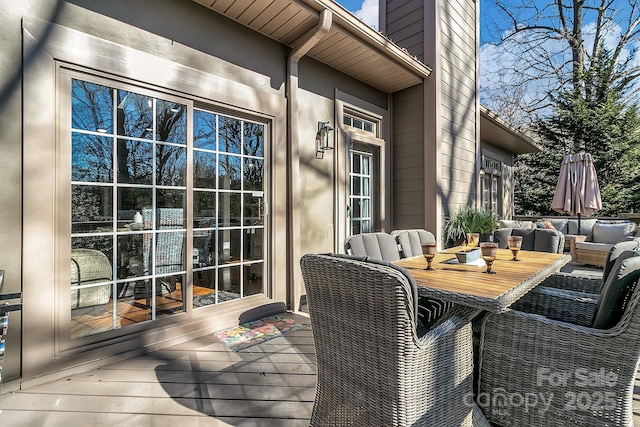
[559, 224]
[528, 237]
[548, 240]
[586, 227]
[612, 233]
[500, 237]
[616, 292]
[511, 223]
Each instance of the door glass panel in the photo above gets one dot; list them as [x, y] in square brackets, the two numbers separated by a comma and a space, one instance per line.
[92, 158]
[229, 283]
[171, 165]
[253, 139]
[361, 192]
[204, 209]
[134, 115]
[229, 209]
[91, 107]
[253, 244]
[171, 122]
[205, 129]
[204, 169]
[93, 208]
[253, 274]
[135, 162]
[229, 172]
[229, 134]
[253, 209]
[253, 174]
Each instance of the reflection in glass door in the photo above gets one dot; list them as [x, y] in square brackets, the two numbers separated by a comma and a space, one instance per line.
[128, 219]
[361, 190]
[228, 206]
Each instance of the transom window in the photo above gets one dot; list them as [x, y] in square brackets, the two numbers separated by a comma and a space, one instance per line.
[359, 123]
[140, 185]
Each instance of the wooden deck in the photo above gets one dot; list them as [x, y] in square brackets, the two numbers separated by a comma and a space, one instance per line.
[197, 383]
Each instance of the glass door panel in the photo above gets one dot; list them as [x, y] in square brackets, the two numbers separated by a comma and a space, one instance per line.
[360, 195]
[228, 208]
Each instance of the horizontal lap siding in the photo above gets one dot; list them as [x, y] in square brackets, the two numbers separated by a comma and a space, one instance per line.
[408, 158]
[405, 25]
[458, 102]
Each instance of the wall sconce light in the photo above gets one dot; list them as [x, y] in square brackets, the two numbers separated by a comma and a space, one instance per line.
[323, 141]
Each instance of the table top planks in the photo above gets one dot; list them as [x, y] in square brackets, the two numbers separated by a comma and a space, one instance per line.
[467, 284]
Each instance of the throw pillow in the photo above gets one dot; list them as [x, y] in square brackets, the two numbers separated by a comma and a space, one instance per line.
[559, 224]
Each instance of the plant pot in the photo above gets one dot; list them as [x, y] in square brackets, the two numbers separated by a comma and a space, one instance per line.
[465, 257]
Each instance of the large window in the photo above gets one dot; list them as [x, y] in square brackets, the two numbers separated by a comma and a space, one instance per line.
[148, 173]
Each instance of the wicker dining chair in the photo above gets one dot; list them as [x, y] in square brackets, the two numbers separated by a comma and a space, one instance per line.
[374, 367]
[380, 246]
[392, 247]
[537, 369]
[411, 241]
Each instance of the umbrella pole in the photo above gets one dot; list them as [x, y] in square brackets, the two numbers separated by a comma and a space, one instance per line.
[579, 229]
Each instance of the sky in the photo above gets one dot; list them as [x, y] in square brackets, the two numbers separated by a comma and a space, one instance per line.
[367, 10]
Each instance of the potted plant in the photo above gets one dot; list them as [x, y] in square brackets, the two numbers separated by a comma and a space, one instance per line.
[468, 219]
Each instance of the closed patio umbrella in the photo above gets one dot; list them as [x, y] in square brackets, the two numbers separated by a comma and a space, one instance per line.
[577, 191]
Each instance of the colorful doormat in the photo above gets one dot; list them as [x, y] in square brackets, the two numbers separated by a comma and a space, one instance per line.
[256, 332]
[210, 298]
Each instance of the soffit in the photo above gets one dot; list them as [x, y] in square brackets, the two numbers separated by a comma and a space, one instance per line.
[351, 46]
[497, 132]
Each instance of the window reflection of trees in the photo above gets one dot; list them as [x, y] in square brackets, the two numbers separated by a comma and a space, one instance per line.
[92, 107]
[229, 134]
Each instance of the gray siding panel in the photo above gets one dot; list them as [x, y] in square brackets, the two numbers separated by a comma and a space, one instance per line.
[405, 25]
[458, 102]
[408, 159]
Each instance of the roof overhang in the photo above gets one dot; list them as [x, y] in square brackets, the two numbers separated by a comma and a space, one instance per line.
[351, 46]
[497, 132]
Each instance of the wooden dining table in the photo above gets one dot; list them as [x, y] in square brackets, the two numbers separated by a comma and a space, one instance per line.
[467, 284]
